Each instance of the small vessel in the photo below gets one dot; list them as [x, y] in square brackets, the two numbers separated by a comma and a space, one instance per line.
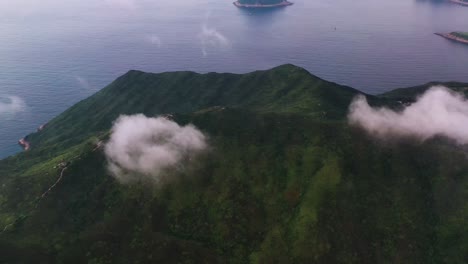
[259, 5]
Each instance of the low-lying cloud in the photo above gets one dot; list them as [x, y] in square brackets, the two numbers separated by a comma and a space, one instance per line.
[438, 112]
[212, 39]
[11, 105]
[143, 148]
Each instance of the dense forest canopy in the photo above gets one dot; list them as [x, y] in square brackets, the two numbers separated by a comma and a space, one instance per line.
[463, 35]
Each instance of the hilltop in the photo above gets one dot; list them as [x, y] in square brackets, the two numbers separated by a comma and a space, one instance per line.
[285, 180]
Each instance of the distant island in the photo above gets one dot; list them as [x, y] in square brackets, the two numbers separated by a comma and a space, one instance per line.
[460, 2]
[461, 37]
[261, 3]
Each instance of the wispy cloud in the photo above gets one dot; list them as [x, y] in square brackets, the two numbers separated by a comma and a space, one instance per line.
[438, 112]
[10, 105]
[212, 39]
[83, 83]
[155, 40]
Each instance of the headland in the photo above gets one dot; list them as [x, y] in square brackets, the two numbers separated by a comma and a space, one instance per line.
[461, 37]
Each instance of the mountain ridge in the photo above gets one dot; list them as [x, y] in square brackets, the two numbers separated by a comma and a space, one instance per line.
[264, 91]
[185, 91]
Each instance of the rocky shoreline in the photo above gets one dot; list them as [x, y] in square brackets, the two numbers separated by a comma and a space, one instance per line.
[24, 143]
[282, 4]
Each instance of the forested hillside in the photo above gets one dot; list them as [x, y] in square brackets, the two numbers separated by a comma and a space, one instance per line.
[285, 179]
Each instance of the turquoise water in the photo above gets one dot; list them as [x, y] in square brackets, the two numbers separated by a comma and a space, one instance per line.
[56, 53]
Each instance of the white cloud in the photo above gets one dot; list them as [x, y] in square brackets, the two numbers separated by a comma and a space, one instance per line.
[11, 105]
[144, 148]
[211, 38]
[438, 112]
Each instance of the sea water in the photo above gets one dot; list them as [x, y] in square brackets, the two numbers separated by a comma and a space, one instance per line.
[55, 53]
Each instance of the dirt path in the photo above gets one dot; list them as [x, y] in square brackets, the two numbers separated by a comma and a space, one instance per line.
[55, 184]
[63, 165]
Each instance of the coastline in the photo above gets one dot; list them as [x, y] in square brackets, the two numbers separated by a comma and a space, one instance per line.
[460, 2]
[450, 36]
[282, 4]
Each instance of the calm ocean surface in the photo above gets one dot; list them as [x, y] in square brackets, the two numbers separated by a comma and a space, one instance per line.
[54, 53]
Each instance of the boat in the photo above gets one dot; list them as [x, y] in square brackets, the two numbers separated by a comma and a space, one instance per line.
[259, 6]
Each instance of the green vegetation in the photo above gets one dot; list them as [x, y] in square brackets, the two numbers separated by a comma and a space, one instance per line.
[463, 35]
[285, 89]
[286, 181]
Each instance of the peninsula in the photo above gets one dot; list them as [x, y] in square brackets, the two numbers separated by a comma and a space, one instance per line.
[262, 3]
[461, 37]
